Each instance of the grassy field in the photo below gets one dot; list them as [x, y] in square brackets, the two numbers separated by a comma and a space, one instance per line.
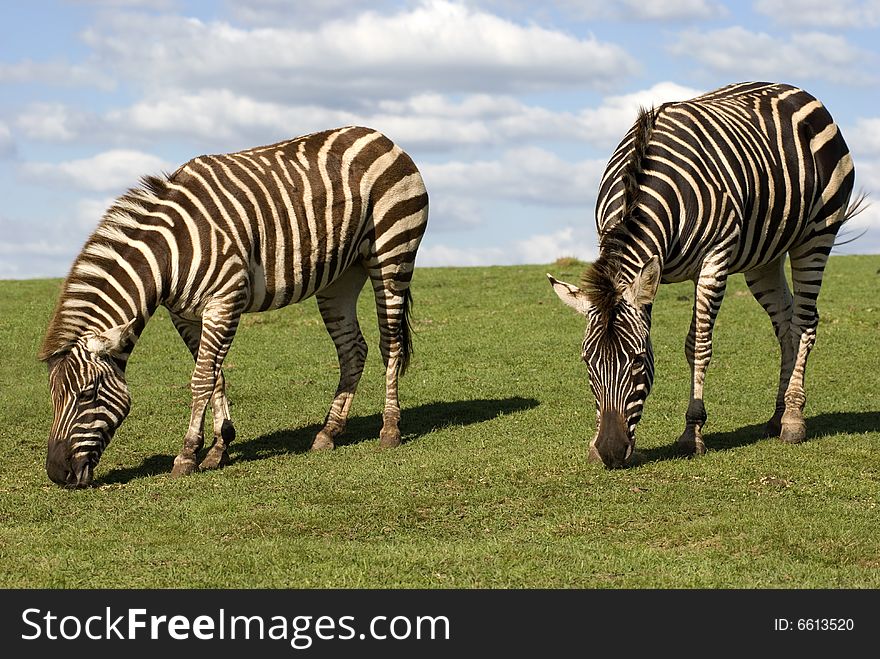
[491, 488]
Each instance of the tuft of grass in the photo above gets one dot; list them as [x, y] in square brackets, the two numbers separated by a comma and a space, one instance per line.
[491, 488]
[569, 263]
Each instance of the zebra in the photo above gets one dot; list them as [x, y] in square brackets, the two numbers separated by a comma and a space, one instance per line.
[224, 235]
[735, 180]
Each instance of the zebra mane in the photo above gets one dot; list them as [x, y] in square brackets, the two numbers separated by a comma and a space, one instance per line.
[642, 130]
[606, 279]
[603, 282]
[64, 328]
[603, 285]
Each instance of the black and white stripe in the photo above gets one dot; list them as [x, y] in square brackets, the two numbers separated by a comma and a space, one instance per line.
[231, 234]
[735, 180]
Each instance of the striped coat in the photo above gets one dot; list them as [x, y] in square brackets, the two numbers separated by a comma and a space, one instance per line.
[736, 180]
[226, 235]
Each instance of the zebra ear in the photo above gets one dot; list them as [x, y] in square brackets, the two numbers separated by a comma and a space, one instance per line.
[644, 287]
[110, 341]
[571, 295]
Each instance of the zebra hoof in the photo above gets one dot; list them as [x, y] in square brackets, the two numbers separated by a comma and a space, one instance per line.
[227, 431]
[323, 442]
[690, 444]
[215, 459]
[773, 428]
[793, 433]
[389, 438]
[183, 467]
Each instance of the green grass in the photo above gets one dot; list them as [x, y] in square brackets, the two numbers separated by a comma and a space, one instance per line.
[491, 488]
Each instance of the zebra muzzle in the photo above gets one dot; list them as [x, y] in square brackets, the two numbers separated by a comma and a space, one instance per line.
[58, 463]
[64, 471]
[612, 445]
[82, 477]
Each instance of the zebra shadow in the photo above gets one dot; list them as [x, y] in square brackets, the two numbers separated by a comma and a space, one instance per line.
[818, 426]
[415, 423]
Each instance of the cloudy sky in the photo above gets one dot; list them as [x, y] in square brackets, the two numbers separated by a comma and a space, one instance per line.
[510, 108]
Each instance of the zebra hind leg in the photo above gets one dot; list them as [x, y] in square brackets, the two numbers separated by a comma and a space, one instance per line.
[392, 308]
[338, 306]
[770, 288]
[807, 268]
[224, 431]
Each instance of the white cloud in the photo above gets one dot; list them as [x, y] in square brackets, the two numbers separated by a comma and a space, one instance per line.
[26, 260]
[823, 14]
[661, 11]
[670, 10]
[864, 138]
[111, 170]
[7, 144]
[149, 4]
[747, 55]
[56, 72]
[529, 174]
[301, 12]
[37, 247]
[485, 119]
[470, 194]
[445, 255]
[868, 180]
[51, 121]
[221, 116]
[568, 241]
[606, 125]
[537, 248]
[430, 121]
[436, 46]
[88, 212]
[453, 213]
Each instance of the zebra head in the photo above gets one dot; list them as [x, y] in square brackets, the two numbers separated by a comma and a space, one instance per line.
[617, 350]
[90, 400]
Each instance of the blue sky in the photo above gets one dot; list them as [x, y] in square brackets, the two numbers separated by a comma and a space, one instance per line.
[510, 108]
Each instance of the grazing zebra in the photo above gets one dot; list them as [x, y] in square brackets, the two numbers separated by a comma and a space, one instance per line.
[730, 181]
[225, 235]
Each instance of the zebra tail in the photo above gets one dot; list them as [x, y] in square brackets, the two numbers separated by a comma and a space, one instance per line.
[405, 333]
[858, 205]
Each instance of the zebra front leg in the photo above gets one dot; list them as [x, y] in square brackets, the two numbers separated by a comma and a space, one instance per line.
[708, 294]
[338, 306]
[219, 322]
[224, 431]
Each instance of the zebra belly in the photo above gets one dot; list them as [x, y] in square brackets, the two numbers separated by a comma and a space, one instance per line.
[264, 296]
[295, 286]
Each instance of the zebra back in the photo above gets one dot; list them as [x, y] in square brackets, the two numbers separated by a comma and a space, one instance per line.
[277, 223]
[768, 153]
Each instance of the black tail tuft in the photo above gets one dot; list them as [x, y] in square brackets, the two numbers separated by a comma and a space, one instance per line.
[405, 336]
[858, 205]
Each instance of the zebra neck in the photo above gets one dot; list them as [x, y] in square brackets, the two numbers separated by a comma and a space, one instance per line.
[108, 287]
[627, 260]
